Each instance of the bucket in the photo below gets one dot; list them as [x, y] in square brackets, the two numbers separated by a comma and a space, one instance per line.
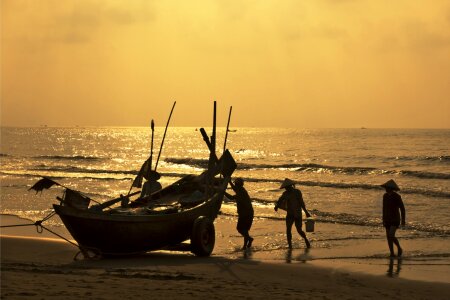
[309, 224]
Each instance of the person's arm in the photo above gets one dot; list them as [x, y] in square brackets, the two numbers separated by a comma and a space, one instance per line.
[278, 203]
[229, 196]
[402, 211]
[302, 203]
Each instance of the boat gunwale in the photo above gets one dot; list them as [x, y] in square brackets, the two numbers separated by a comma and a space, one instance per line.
[91, 214]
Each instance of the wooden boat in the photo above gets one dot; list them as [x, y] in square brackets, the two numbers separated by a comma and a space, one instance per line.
[182, 211]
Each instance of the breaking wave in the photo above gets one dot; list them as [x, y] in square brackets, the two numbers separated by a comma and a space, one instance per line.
[72, 169]
[68, 157]
[344, 218]
[425, 175]
[437, 158]
[424, 192]
[315, 168]
[192, 162]
[342, 185]
[359, 220]
[104, 174]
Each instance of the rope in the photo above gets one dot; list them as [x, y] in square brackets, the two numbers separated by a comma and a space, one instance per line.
[5, 226]
[90, 253]
[49, 216]
[40, 228]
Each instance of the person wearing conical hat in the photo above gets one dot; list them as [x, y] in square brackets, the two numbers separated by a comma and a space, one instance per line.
[292, 201]
[152, 184]
[393, 212]
[244, 210]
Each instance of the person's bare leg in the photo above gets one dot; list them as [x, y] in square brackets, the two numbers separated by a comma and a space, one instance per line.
[245, 242]
[289, 222]
[390, 241]
[298, 225]
[399, 249]
[303, 235]
[250, 241]
[393, 229]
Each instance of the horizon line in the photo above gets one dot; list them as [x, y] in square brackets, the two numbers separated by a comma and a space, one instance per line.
[188, 126]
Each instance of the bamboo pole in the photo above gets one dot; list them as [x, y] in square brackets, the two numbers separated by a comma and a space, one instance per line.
[226, 132]
[164, 136]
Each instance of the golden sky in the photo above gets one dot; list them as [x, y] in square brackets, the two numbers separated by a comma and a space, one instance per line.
[279, 63]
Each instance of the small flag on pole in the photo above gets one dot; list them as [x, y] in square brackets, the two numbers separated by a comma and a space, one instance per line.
[44, 183]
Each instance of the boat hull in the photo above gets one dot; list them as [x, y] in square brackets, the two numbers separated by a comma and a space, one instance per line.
[126, 234]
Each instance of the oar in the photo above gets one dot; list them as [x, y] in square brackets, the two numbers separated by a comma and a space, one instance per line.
[226, 132]
[212, 161]
[226, 157]
[213, 137]
[146, 166]
[151, 146]
[164, 136]
[101, 206]
[209, 144]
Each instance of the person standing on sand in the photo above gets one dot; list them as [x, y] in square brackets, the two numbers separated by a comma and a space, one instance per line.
[244, 210]
[392, 209]
[292, 201]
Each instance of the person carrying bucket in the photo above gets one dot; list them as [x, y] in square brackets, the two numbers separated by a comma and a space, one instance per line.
[392, 209]
[292, 201]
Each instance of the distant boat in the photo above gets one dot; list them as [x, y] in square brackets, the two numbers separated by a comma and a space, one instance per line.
[232, 130]
[363, 127]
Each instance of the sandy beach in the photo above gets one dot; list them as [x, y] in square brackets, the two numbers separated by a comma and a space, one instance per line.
[37, 266]
[129, 126]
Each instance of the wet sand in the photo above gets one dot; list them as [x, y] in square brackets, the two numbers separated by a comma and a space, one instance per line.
[367, 256]
[36, 266]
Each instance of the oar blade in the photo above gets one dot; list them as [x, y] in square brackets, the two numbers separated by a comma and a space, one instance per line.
[227, 164]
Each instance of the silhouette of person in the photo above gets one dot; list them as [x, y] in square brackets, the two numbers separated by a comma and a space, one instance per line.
[393, 211]
[244, 210]
[292, 201]
[151, 185]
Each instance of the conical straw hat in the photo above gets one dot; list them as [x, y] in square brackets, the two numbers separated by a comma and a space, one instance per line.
[390, 184]
[286, 182]
[152, 175]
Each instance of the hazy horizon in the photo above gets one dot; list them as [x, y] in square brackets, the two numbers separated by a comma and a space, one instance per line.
[284, 64]
[221, 127]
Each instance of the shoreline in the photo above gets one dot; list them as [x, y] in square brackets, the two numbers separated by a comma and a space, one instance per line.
[42, 268]
[38, 266]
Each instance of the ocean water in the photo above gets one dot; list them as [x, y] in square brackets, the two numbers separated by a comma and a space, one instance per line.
[338, 170]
